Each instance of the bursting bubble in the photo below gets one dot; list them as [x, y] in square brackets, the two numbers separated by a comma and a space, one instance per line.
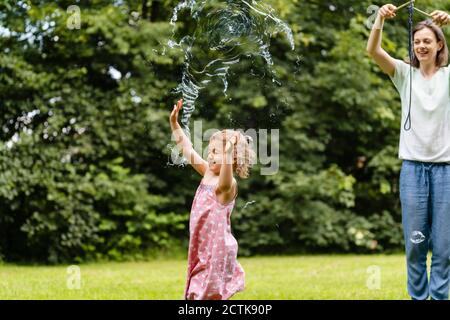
[225, 31]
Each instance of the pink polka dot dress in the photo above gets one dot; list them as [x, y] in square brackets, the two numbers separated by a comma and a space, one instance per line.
[213, 270]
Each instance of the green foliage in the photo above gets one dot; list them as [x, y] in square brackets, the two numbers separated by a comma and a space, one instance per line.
[77, 149]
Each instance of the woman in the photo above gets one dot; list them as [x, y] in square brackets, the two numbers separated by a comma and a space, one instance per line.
[424, 149]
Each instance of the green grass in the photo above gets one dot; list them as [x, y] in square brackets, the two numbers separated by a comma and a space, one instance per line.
[286, 277]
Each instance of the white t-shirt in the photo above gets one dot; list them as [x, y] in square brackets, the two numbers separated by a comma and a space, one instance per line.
[428, 140]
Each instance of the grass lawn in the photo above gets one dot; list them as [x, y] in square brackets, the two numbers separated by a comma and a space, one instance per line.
[285, 277]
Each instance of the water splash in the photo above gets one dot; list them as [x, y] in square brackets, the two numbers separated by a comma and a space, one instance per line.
[225, 31]
[248, 204]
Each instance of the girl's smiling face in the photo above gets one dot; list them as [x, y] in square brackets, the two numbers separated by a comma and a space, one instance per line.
[426, 46]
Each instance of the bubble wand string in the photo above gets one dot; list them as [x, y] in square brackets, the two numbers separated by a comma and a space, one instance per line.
[407, 125]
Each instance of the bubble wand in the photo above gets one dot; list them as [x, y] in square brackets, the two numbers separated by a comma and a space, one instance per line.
[414, 8]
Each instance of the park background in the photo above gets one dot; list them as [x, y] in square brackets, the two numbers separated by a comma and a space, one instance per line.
[84, 141]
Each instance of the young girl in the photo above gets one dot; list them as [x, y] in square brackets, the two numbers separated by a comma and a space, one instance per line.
[425, 150]
[213, 270]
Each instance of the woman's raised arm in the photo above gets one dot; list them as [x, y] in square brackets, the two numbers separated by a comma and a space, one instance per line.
[374, 49]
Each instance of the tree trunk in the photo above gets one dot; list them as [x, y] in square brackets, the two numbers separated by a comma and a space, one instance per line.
[144, 9]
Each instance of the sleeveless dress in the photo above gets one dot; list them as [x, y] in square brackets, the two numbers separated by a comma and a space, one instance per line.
[213, 270]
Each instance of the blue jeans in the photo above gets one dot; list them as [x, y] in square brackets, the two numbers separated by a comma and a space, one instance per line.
[425, 199]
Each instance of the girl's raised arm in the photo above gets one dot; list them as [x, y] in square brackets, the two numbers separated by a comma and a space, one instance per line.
[374, 49]
[183, 142]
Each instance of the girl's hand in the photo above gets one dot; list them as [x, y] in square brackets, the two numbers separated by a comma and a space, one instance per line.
[174, 115]
[232, 142]
[387, 11]
[441, 18]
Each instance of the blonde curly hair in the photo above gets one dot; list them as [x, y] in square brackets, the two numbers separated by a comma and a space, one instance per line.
[243, 154]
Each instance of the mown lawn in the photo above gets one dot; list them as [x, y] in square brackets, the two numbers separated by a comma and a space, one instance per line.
[285, 277]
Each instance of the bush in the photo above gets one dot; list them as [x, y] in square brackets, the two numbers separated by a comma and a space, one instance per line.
[105, 212]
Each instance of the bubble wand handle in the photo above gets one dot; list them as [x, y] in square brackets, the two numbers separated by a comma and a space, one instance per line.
[423, 12]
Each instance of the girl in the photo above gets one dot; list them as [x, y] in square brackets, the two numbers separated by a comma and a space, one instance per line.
[424, 149]
[213, 269]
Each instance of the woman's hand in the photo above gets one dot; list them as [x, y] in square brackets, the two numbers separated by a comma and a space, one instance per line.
[174, 115]
[440, 17]
[388, 11]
